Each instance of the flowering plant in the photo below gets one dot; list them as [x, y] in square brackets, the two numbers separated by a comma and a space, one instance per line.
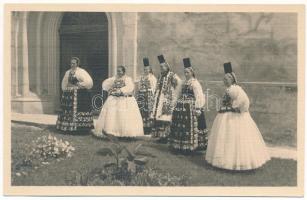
[47, 147]
[40, 152]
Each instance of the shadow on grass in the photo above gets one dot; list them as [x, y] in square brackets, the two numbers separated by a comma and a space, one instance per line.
[165, 147]
[200, 161]
[198, 158]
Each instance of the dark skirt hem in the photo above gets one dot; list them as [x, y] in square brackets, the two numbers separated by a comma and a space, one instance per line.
[76, 114]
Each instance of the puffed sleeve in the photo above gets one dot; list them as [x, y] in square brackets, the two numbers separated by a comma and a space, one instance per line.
[85, 79]
[234, 93]
[107, 84]
[153, 83]
[239, 98]
[199, 95]
[244, 106]
[129, 86]
[65, 81]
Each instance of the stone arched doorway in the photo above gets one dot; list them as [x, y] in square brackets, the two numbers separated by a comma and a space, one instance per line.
[36, 57]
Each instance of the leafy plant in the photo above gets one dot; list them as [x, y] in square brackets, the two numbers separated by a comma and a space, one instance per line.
[125, 159]
[127, 168]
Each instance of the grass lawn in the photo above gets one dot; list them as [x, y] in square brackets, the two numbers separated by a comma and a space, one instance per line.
[276, 172]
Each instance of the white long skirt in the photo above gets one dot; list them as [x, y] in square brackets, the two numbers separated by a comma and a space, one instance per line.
[236, 143]
[120, 116]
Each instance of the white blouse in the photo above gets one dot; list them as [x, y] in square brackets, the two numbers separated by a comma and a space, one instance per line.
[239, 98]
[83, 77]
[200, 99]
[126, 90]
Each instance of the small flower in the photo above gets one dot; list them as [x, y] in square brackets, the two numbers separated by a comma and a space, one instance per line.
[18, 174]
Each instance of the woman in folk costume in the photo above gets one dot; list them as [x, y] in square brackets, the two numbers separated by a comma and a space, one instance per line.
[166, 93]
[235, 142]
[76, 110]
[120, 115]
[145, 95]
[188, 129]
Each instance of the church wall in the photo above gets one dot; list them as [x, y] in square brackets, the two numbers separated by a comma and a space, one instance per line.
[261, 47]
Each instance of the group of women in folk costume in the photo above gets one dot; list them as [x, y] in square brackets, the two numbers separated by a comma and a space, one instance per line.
[234, 143]
[174, 111]
[171, 110]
